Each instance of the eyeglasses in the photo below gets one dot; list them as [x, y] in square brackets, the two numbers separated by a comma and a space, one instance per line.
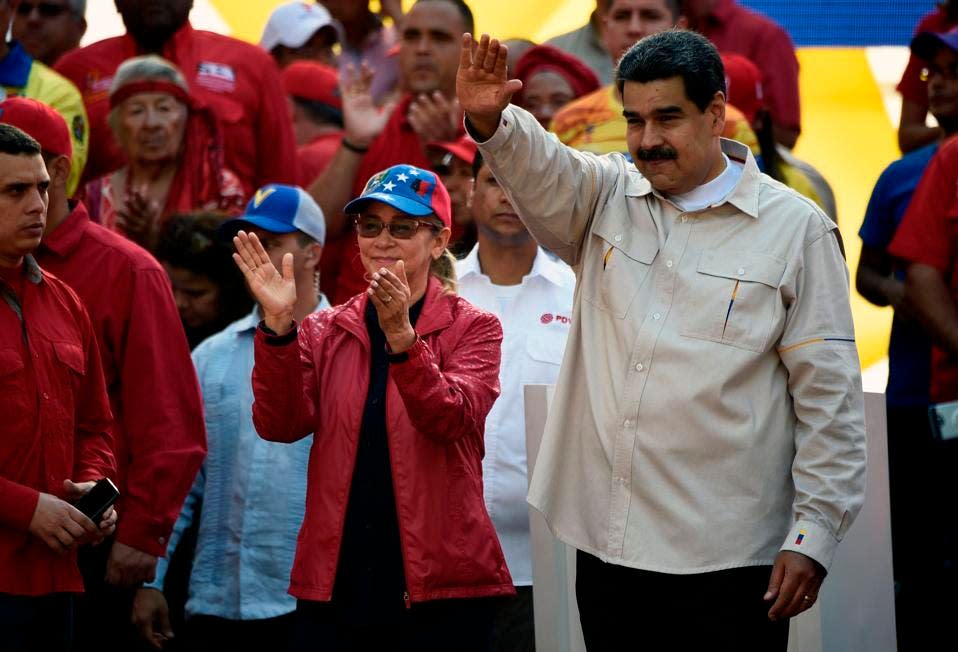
[401, 229]
[46, 9]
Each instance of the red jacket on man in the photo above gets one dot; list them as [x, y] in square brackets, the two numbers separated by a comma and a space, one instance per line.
[159, 434]
[436, 406]
[238, 80]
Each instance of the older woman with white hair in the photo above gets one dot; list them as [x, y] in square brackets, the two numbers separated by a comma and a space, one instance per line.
[173, 149]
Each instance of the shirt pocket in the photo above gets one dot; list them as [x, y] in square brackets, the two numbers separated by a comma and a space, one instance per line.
[616, 268]
[544, 353]
[71, 356]
[731, 298]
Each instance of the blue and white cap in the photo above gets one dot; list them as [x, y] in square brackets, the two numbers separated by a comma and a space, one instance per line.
[281, 209]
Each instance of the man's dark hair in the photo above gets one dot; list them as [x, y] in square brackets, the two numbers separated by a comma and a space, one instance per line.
[675, 53]
[477, 163]
[15, 141]
[674, 7]
[464, 11]
[318, 112]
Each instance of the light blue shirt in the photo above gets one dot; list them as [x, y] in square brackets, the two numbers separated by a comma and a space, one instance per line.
[252, 492]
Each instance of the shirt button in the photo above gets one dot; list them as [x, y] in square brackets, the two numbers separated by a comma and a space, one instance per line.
[628, 423]
[45, 395]
[656, 316]
[162, 540]
[668, 264]
[618, 237]
[741, 271]
[639, 367]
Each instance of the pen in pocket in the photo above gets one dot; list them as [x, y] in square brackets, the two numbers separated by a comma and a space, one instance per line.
[606, 258]
[728, 312]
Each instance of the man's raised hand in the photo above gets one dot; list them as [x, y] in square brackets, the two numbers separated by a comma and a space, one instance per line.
[482, 83]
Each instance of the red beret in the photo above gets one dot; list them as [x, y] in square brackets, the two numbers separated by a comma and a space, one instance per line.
[545, 57]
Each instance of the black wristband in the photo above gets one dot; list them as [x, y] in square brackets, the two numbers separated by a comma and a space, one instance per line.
[353, 148]
[275, 339]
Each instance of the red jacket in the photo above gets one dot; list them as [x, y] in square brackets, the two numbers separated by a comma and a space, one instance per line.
[238, 80]
[54, 421]
[159, 434]
[436, 407]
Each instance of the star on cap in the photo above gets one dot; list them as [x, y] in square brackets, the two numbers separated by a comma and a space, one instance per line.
[413, 171]
[389, 185]
[402, 177]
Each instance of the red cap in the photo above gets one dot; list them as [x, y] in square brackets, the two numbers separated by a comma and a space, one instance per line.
[743, 80]
[313, 81]
[464, 148]
[40, 122]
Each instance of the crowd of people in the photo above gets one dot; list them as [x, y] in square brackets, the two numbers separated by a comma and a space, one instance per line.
[287, 297]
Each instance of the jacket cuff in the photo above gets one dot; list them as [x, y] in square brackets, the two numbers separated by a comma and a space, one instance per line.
[18, 505]
[812, 540]
[147, 537]
[503, 131]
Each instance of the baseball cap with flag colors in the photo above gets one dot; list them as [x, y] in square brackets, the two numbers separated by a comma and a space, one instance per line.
[280, 209]
[409, 189]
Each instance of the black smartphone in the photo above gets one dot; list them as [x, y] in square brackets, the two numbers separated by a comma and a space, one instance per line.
[98, 499]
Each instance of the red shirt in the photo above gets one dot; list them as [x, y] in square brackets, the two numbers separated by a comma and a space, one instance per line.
[739, 30]
[160, 438]
[237, 79]
[928, 234]
[397, 144]
[911, 86]
[54, 421]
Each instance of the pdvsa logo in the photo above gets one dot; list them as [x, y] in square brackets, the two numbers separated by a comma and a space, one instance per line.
[548, 318]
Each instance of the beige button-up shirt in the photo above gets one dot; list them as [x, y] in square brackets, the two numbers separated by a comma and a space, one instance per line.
[709, 409]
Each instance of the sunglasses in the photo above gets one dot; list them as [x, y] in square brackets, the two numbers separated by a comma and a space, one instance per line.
[46, 9]
[950, 72]
[401, 229]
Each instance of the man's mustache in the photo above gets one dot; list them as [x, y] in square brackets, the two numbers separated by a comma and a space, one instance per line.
[661, 153]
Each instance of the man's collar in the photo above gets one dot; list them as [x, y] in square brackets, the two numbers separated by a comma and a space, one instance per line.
[15, 67]
[32, 270]
[542, 266]
[182, 36]
[745, 194]
[67, 236]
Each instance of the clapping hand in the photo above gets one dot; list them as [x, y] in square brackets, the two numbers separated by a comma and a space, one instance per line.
[483, 87]
[389, 291]
[274, 292]
[140, 218]
[434, 118]
[362, 119]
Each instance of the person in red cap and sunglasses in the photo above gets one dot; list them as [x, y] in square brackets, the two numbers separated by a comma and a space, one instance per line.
[396, 550]
[159, 439]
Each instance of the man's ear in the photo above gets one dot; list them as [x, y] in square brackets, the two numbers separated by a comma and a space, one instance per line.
[313, 253]
[717, 110]
[59, 170]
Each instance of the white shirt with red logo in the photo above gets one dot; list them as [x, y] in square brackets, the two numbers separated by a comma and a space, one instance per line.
[536, 317]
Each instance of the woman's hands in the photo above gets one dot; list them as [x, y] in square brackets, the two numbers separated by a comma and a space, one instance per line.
[275, 293]
[390, 294]
[139, 217]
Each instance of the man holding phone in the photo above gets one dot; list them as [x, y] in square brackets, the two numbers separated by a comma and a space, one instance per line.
[55, 431]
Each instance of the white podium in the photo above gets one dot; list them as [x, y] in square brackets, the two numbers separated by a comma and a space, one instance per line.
[855, 610]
